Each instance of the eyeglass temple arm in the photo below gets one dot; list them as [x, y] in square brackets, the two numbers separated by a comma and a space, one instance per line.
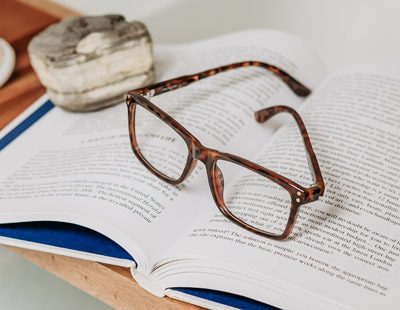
[179, 82]
[319, 186]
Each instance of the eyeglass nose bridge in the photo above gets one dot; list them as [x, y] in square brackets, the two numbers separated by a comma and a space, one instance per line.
[201, 153]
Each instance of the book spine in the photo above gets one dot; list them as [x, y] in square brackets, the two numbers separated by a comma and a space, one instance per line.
[146, 283]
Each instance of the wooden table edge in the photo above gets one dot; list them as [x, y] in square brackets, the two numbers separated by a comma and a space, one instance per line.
[111, 284]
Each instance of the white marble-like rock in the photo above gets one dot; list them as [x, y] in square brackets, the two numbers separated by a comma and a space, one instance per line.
[7, 61]
[87, 63]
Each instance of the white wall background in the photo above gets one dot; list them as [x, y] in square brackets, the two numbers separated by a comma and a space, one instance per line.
[341, 32]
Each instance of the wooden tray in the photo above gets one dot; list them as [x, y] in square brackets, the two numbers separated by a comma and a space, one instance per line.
[19, 22]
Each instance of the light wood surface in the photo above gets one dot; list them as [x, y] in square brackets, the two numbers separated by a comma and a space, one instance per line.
[111, 284]
[19, 22]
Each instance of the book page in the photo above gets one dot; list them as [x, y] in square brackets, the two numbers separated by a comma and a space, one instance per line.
[345, 248]
[80, 167]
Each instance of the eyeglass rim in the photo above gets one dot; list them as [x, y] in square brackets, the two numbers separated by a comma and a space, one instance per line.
[299, 195]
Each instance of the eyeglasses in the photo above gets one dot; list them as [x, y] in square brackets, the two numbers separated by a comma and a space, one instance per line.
[254, 197]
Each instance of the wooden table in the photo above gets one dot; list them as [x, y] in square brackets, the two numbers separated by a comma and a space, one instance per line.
[19, 22]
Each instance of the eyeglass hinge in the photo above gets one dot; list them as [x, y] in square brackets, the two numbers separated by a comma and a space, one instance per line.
[149, 94]
[128, 100]
[313, 194]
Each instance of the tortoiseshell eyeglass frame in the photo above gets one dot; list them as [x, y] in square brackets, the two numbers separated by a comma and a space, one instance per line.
[196, 151]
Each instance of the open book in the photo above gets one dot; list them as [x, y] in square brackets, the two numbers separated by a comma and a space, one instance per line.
[80, 169]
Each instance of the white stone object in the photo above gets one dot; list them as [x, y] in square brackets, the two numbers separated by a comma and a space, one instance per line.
[87, 63]
[7, 61]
